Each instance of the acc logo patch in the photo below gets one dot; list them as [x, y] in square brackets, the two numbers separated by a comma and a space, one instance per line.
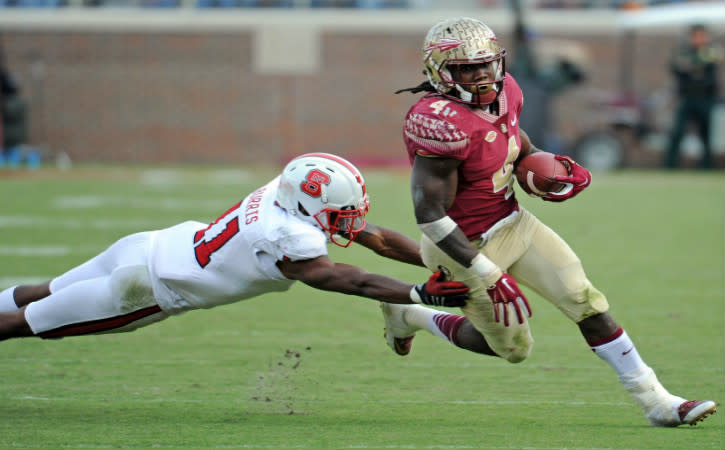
[491, 136]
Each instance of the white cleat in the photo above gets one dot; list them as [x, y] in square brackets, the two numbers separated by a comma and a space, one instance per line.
[693, 411]
[688, 412]
[398, 334]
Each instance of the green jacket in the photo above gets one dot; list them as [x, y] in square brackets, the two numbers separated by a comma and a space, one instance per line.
[15, 123]
[696, 71]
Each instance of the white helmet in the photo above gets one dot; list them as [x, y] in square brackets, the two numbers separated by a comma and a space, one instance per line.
[326, 191]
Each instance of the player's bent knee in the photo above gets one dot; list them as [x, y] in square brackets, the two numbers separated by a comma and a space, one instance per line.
[583, 303]
[516, 349]
[517, 355]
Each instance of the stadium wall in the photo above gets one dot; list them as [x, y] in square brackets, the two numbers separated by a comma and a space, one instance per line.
[253, 86]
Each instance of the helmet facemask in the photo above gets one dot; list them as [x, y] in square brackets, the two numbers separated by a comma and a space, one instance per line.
[326, 191]
[475, 93]
[343, 225]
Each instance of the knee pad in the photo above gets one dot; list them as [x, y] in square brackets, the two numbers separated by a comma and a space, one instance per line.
[583, 303]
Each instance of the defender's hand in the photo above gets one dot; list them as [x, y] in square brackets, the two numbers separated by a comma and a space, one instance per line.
[577, 180]
[506, 291]
[437, 291]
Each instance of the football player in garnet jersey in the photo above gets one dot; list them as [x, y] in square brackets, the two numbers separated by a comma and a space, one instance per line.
[278, 234]
[463, 141]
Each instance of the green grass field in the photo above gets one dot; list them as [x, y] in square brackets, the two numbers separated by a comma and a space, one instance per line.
[310, 369]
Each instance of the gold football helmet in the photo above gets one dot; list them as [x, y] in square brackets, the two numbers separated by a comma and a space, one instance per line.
[463, 40]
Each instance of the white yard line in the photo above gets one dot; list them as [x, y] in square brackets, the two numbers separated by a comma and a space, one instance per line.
[68, 202]
[6, 282]
[31, 250]
[74, 224]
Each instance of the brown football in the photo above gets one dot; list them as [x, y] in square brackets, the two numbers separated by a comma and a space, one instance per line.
[535, 173]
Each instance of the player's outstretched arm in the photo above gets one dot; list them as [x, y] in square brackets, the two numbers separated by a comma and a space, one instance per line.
[323, 273]
[390, 244]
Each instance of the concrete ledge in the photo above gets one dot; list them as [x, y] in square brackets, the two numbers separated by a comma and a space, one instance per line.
[338, 21]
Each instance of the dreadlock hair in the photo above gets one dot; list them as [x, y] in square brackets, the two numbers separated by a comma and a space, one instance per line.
[424, 86]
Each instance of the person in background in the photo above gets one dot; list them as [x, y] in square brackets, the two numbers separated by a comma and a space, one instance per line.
[694, 65]
[13, 114]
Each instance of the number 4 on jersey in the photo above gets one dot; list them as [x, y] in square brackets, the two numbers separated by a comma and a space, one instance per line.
[441, 107]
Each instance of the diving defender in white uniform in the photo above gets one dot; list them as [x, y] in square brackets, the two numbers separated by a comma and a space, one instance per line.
[277, 235]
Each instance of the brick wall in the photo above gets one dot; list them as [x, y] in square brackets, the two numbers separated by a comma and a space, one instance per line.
[195, 97]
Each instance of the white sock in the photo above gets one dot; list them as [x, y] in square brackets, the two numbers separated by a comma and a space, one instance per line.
[438, 323]
[7, 300]
[640, 380]
[621, 354]
[659, 406]
[419, 316]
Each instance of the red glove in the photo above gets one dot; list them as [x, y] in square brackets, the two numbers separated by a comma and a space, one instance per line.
[577, 180]
[506, 291]
[438, 291]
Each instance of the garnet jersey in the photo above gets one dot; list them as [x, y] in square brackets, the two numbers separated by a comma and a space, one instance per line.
[196, 265]
[486, 144]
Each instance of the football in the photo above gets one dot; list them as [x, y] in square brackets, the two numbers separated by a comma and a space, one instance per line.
[535, 173]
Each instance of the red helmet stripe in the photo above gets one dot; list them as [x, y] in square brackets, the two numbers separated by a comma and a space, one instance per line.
[444, 45]
[341, 161]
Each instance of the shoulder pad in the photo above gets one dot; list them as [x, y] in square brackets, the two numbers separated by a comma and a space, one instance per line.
[433, 128]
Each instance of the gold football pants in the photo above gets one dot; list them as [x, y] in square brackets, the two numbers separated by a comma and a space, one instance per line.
[537, 258]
